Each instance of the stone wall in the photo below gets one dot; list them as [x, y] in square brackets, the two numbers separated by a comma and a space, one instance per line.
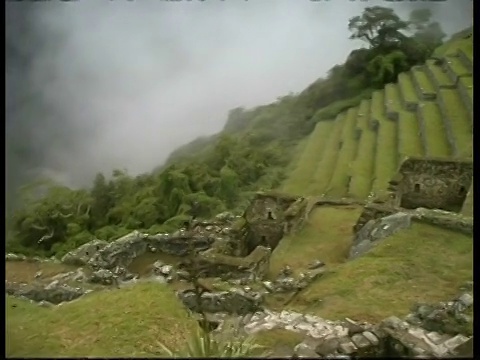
[269, 217]
[214, 264]
[444, 219]
[432, 183]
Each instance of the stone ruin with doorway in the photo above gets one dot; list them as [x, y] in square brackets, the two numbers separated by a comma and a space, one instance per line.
[432, 183]
[434, 190]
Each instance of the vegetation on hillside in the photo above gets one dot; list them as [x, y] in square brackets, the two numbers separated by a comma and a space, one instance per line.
[220, 172]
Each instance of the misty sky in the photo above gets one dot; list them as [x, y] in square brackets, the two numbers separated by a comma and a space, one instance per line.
[97, 85]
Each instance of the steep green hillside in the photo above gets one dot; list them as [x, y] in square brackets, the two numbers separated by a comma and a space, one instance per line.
[428, 112]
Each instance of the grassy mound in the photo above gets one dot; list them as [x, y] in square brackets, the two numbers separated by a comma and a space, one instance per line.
[422, 263]
[116, 323]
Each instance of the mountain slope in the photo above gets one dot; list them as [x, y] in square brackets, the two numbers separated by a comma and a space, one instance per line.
[428, 112]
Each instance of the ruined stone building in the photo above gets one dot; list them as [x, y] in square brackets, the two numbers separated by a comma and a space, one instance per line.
[432, 183]
[267, 219]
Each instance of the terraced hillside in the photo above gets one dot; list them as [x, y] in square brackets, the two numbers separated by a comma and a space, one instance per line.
[428, 112]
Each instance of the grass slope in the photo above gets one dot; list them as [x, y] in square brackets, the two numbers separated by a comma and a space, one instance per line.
[386, 149]
[125, 322]
[312, 153]
[340, 180]
[459, 121]
[363, 166]
[436, 137]
[326, 166]
[422, 263]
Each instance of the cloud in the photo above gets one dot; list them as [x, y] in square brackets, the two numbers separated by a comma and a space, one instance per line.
[98, 85]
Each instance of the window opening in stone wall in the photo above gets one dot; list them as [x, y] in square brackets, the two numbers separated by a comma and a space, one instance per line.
[416, 188]
[270, 215]
[264, 239]
[462, 191]
[98, 247]
[86, 253]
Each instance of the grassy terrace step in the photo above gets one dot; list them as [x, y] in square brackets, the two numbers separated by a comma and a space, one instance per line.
[302, 175]
[392, 101]
[409, 136]
[438, 76]
[363, 166]
[435, 136]
[466, 57]
[385, 163]
[325, 167]
[407, 91]
[465, 87]
[455, 68]
[460, 124]
[423, 85]
[340, 181]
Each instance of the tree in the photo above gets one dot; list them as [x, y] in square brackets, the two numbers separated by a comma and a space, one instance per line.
[378, 26]
[385, 68]
[103, 201]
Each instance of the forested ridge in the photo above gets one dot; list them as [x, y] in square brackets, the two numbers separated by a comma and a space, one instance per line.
[221, 172]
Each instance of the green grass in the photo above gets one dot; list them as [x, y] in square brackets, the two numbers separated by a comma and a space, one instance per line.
[392, 98]
[457, 67]
[386, 148]
[363, 166]
[423, 81]
[125, 322]
[467, 83]
[451, 47]
[301, 177]
[410, 141]
[436, 137]
[327, 236]
[439, 75]
[407, 88]
[334, 109]
[324, 169]
[339, 183]
[460, 121]
[422, 263]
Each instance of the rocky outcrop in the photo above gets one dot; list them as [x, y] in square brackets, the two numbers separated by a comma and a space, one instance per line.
[81, 255]
[447, 317]
[54, 292]
[445, 219]
[214, 264]
[235, 301]
[376, 230]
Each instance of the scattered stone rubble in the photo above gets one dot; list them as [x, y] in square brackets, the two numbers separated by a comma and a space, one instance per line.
[325, 338]
[234, 301]
[286, 282]
[54, 293]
